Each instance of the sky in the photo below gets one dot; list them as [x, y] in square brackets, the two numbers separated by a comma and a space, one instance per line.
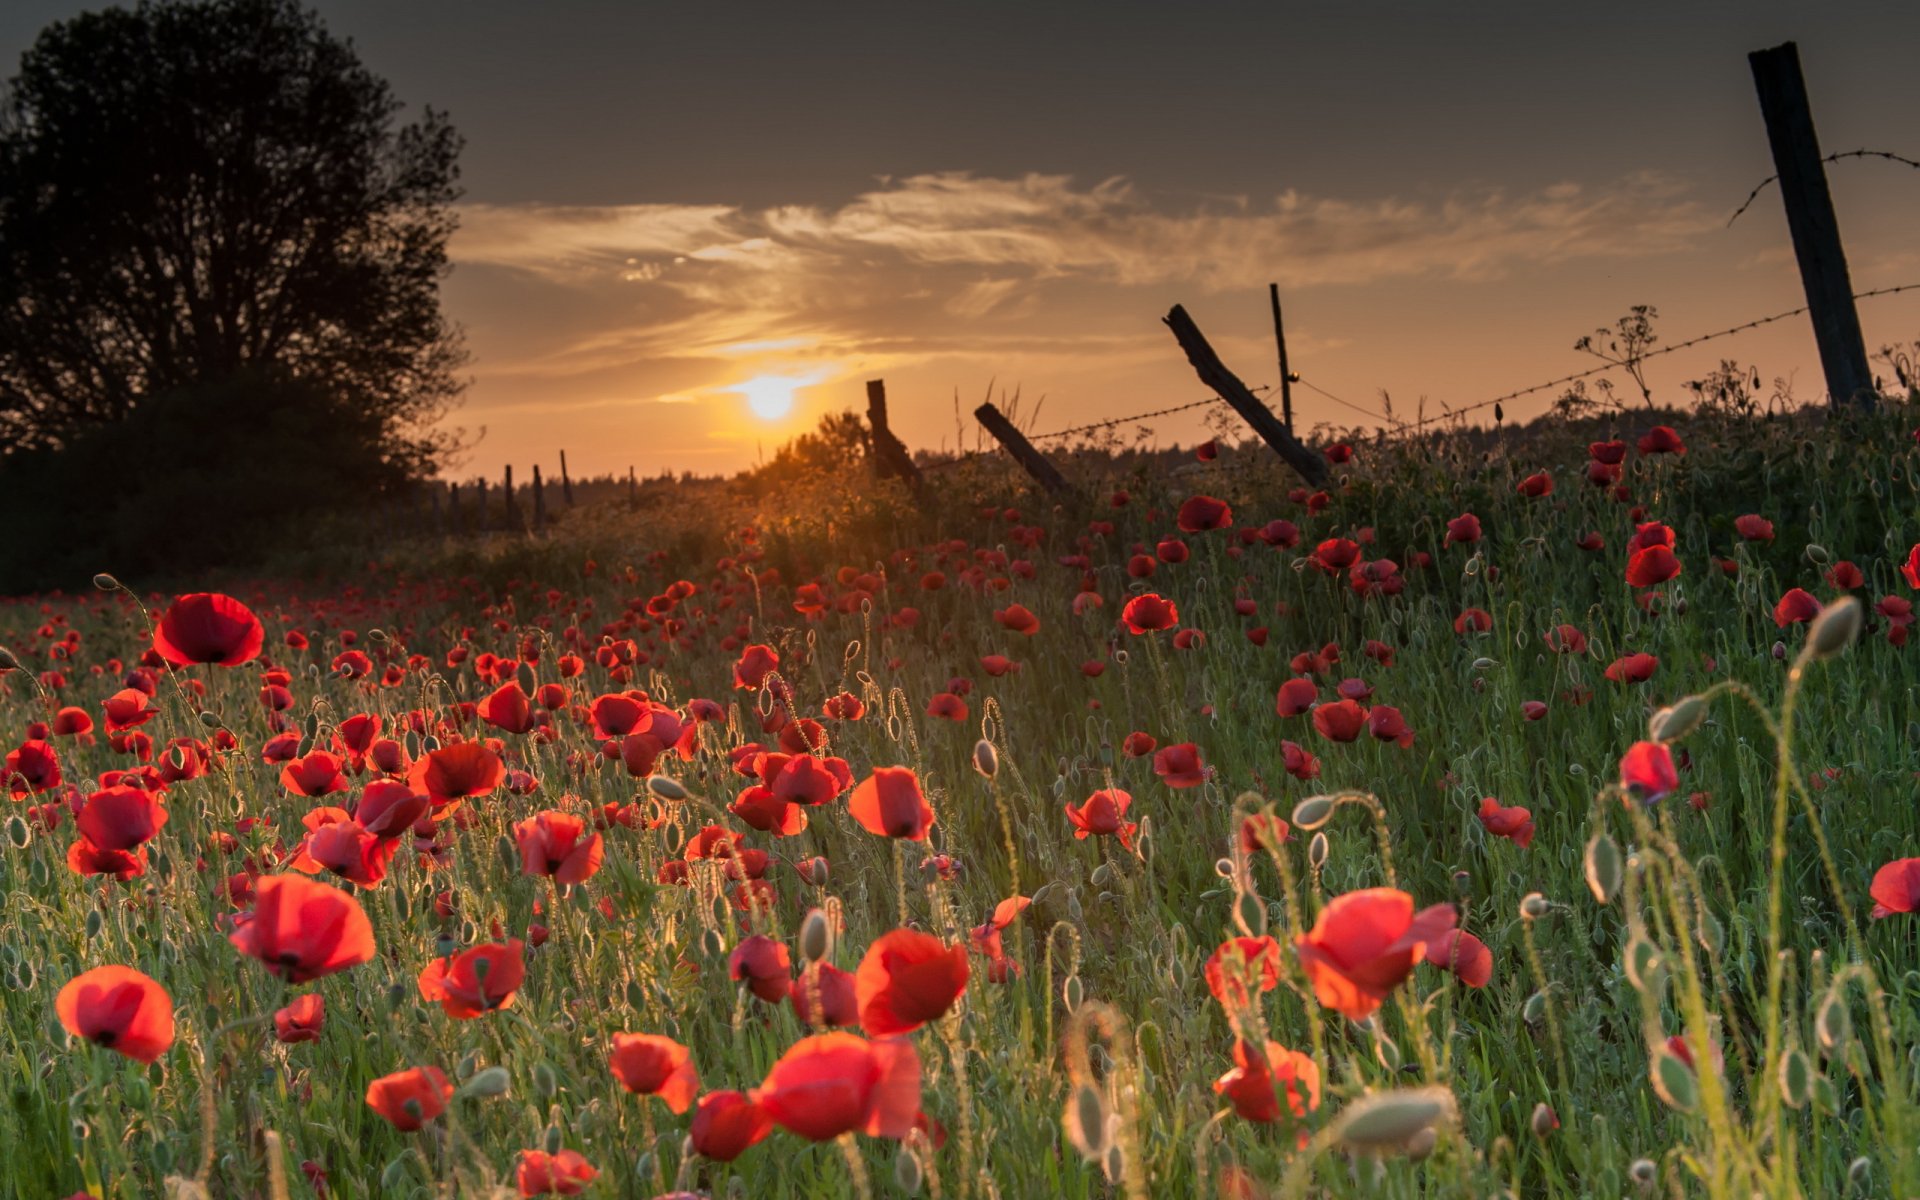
[690, 231]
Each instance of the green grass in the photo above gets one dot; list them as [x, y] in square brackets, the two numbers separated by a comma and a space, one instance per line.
[1132, 930]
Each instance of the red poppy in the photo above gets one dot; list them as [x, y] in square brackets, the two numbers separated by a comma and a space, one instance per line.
[207, 627]
[409, 1099]
[1536, 485]
[32, 768]
[349, 851]
[1296, 697]
[1364, 944]
[72, 722]
[1651, 566]
[1386, 724]
[302, 929]
[1150, 613]
[508, 709]
[1207, 451]
[1240, 964]
[1753, 527]
[1796, 607]
[1612, 453]
[1845, 576]
[947, 706]
[763, 965]
[1473, 620]
[844, 707]
[1896, 888]
[1661, 439]
[1632, 668]
[1138, 744]
[317, 774]
[1179, 765]
[388, 808]
[726, 1124]
[906, 979]
[451, 774]
[1514, 823]
[1335, 555]
[835, 1083]
[1464, 529]
[128, 708]
[1339, 720]
[1201, 513]
[824, 995]
[1017, 618]
[1565, 639]
[1647, 772]
[1254, 1085]
[119, 1008]
[1259, 829]
[301, 1020]
[1339, 452]
[1465, 955]
[1911, 569]
[564, 1174]
[121, 818]
[889, 802]
[556, 844]
[756, 663]
[476, 981]
[648, 1064]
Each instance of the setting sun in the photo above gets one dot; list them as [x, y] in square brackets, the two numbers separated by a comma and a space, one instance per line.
[770, 397]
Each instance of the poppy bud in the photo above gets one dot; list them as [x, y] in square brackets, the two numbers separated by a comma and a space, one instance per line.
[1678, 719]
[906, 1172]
[713, 944]
[1313, 812]
[7, 661]
[1603, 867]
[210, 720]
[1115, 1163]
[986, 759]
[18, 832]
[1544, 1121]
[488, 1083]
[552, 1139]
[1534, 906]
[1385, 1049]
[1086, 1121]
[1796, 1078]
[1462, 881]
[816, 936]
[666, 788]
[377, 635]
[106, 582]
[1484, 664]
[1385, 1122]
[1534, 1008]
[1101, 874]
[1834, 629]
[1673, 1081]
[1072, 993]
[1857, 1171]
[1818, 554]
[1833, 1024]
[1317, 851]
[1779, 652]
[1643, 1173]
[1221, 867]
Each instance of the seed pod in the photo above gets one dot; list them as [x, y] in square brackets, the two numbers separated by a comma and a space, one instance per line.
[816, 936]
[106, 582]
[1385, 1122]
[1834, 629]
[493, 1081]
[986, 759]
[1603, 867]
[1313, 812]
[1086, 1121]
[1678, 719]
[666, 788]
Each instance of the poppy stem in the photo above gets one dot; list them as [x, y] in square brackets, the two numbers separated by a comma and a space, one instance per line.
[856, 1166]
[209, 1111]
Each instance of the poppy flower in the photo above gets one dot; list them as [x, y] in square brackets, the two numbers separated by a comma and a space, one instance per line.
[947, 706]
[303, 930]
[121, 818]
[556, 844]
[1260, 829]
[32, 768]
[725, 1124]
[844, 707]
[1138, 744]
[1896, 888]
[451, 774]
[1103, 814]
[1339, 720]
[824, 995]
[764, 965]
[1298, 762]
[1911, 568]
[1335, 555]
[1179, 765]
[1464, 529]
[207, 627]
[119, 1008]
[477, 980]
[1796, 607]
[409, 1099]
[1258, 1077]
[128, 708]
[1612, 453]
[1651, 566]
[72, 722]
[1339, 452]
[1150, 613]
[889, 803]
[1386, 724]
[315, 775]
[1632, 668]
[1296, 697]
[1465, 955]
[1241, 963]
[1753, 527]
[1201, 513]
[85, 858]
[388, 808]
[1018, 618]
[906, 979]
[301, 1020]
[564, 1174]
[1514, 823]
[1363, 944]
[1844, 576]
[350, 852]
[1566, 639]
[1661, 439]
[508, 709]
[1536, 485]
[1473, 620]
[1533, 710]
[1647, 772]
[647, 1064]
[755, 664]
[835, 1083]
[1207, 451]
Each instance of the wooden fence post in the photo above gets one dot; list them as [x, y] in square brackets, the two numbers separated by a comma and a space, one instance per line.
[1311, 466]
[566, 481]
[1810, 219]
[1023, 451]
[1286, 375]
[480, 505]
[539, 502]
[633, 491]
[890, 454]
[512, 518]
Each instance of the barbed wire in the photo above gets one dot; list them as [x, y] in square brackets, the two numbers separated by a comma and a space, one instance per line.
[1762, 185]
[1379, 416]
[1160, 412]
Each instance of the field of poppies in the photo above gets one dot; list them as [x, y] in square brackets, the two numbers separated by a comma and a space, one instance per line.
[1516, 816]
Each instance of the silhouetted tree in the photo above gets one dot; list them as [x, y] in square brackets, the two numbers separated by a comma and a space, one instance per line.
[197, 192]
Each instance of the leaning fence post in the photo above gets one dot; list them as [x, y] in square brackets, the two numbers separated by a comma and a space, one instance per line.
[566, 481]
[1810, 220]
[539, 502]
[1023, 451]
[890, 454]
[1311, 466]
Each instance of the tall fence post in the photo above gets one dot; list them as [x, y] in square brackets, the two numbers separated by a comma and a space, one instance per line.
[539, 502]
[1023, 451]
[566, 481]
[513, 508]
[1811, 221]
[1286, 374]
[1310, 465]
[890, 454]
[480, 505]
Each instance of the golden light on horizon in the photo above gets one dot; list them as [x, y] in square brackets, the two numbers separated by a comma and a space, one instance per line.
[770, 397]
